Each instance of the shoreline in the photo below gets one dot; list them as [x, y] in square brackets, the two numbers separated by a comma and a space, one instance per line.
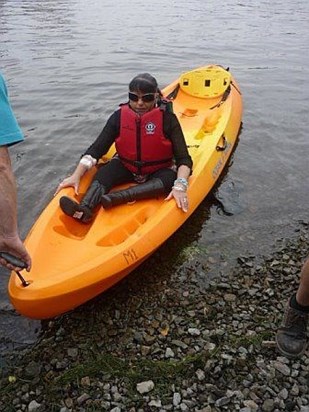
[171, 344]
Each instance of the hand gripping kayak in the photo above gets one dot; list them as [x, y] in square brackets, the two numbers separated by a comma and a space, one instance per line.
[13, 260]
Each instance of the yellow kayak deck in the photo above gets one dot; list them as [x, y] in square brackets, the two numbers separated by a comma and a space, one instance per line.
[74, 262]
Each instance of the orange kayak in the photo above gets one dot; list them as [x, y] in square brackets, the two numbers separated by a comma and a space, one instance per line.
[74, 262]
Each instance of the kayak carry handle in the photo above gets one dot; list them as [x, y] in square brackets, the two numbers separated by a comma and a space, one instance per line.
[224, 146]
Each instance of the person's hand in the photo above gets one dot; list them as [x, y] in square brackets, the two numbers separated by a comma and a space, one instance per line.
[70, 181]
[180, 197]
[15, 247]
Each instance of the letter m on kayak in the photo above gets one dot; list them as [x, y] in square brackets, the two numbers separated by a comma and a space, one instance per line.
[130, 256]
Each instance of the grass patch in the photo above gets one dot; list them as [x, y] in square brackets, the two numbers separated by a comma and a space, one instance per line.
[162, 372]
[255, 340]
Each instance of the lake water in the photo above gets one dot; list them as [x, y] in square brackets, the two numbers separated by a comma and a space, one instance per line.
[68, 64]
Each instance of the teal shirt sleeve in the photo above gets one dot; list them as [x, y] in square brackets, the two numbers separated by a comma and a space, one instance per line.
[10, 132]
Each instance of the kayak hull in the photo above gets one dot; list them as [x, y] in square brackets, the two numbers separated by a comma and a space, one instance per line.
[74, 262]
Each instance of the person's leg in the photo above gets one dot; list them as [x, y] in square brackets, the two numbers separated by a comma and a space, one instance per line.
[113, 173]
[159, 183]
[108, 175]
[291, 337]
[302, 295]
[83, 211]
[167, 176]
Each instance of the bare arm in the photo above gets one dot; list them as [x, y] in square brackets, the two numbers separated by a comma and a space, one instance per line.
[74, 179]
[9, 237]
[183, 172]
[183, 162]
[179, 190]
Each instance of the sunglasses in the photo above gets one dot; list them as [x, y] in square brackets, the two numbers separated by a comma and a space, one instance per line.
[146, 98]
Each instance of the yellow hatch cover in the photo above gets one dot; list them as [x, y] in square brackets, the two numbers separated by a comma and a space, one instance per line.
[205, 83]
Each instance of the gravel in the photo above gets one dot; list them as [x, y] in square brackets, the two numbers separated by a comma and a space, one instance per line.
[170, 342]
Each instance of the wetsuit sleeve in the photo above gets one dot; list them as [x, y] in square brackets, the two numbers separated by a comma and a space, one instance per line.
[173, 131]
[106, 138]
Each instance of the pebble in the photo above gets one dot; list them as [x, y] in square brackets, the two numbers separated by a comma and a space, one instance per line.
[82, 398]
[194, 331]
[169, 353]
[282, 368]
[176, 399]
[155, 403]
[172, 343]
[33, 406]
[145, 387]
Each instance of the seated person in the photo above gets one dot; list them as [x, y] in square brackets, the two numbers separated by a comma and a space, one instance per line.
[151, 151]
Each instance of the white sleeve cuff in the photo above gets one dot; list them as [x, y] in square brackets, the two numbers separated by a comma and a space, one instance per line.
[88, 161]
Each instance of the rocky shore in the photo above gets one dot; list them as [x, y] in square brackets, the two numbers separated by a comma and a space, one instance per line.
[170, 344]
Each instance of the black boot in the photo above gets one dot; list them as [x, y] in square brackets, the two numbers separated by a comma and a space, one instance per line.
[83, 211]
[148, 190]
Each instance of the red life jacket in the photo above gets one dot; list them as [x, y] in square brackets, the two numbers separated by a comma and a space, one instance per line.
[141, 144]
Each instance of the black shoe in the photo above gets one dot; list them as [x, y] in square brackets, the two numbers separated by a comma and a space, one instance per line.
[75, 210]
[291, 337]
